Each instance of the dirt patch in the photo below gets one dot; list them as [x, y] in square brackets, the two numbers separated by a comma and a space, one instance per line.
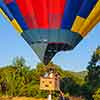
[20, 98]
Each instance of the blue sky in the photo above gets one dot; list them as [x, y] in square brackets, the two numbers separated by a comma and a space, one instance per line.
[12, 45]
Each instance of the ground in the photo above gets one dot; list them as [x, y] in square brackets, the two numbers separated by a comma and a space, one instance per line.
[19, 98]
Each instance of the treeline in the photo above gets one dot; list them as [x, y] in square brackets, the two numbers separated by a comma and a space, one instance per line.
[18, 79]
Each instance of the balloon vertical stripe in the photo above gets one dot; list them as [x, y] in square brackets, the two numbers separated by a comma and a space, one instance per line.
[40, 8]
[6, 13]
[93, 15]
[83, 13]
[16, 13]
[27, 11]
[55, 12]
[97, 20]
[70, 12]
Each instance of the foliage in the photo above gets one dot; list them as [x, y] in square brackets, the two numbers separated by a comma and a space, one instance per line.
[21, 80]
[18, 79]
[96, 95]
[93, 78]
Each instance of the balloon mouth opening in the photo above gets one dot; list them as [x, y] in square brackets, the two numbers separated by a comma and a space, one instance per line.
[53, 49]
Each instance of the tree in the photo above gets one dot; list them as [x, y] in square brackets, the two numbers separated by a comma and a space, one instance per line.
[19, 62]
[96, 95]
[68, 85]
[93, 77]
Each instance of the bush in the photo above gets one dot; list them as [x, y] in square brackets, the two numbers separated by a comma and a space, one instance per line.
[96, 95]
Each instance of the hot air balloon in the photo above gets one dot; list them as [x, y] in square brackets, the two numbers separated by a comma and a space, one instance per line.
[50, 26]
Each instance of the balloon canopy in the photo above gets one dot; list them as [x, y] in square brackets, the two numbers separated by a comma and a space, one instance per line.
[50, 26]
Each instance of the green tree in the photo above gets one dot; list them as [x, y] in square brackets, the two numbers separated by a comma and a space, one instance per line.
[96, 95]
[93, 77]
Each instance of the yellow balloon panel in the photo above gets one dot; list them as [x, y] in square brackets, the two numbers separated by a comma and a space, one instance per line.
[16, 26]
[13, 22]
[1, 11]
[97, 20]
[77, 24]
[90, 20]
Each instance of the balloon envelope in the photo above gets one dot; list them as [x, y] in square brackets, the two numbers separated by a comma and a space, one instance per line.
[50, 26]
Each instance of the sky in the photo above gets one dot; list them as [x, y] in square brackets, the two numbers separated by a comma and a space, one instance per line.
[13, 45]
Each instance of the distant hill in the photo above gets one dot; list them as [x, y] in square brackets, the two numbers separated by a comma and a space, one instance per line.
[82, 73]
[78, 77]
